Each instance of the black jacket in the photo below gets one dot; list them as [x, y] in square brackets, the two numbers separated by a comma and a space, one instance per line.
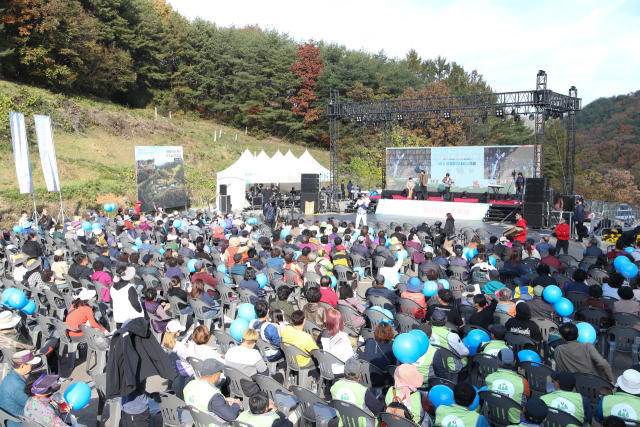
[78, 272]
[135, 355]
[578, 213]
[32, 249]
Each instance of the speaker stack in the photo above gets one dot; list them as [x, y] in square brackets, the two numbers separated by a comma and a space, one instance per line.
[535, 202]
[225, 200]
[310, 190]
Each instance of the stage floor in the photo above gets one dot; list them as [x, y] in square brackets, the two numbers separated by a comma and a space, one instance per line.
[455, 200]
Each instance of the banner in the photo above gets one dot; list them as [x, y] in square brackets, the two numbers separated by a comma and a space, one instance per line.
[472, 168]
[425, 209]
[160, 177]
[21, 152]
[47, 151]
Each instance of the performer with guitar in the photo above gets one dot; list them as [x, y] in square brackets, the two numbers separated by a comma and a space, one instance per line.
[520, 230]
[448, 182]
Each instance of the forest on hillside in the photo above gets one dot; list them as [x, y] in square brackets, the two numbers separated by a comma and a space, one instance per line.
[141, 53]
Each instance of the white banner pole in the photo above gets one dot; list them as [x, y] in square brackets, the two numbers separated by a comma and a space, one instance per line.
[21, 157]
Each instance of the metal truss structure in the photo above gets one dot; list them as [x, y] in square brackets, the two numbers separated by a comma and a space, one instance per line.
[538, 105]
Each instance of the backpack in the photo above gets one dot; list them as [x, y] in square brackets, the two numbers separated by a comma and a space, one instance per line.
[479, 276]
[396, 407]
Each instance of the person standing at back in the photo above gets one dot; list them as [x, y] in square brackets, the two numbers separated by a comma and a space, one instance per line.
[578, 219]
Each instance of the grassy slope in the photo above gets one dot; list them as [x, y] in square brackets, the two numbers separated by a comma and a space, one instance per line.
[95, 162]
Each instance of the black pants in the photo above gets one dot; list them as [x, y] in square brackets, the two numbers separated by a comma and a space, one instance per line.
[136, 420]
[425, 195]
[580, 231]
[562, 245]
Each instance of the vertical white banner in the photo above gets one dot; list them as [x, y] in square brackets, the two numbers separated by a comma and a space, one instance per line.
[47, 151]
[21, 152]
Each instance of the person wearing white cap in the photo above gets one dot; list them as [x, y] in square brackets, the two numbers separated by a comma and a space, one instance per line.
[625, 402]
[80, 314]
[170, 342]
[12, 396]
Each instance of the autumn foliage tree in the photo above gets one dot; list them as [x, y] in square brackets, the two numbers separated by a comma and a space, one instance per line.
[309, 68]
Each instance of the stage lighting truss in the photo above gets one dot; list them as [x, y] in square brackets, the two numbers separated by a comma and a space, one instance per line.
[538, 105]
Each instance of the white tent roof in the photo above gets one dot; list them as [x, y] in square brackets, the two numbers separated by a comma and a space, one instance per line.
[290, 156]
[235, 178]
[263, 157]
[311, 165]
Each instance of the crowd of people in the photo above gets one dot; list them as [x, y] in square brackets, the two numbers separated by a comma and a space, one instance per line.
[134, 273]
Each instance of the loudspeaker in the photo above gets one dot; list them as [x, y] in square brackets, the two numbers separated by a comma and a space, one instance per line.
[223, 189]
[225, 203]
[256, 201]
[569, 203]
[387, 195]
[534, 214]
[536, 190]
[310, 197]
[309, 183]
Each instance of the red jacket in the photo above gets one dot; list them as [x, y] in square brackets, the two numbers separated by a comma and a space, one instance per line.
[418, 298]
[522, 236]
[563, 232]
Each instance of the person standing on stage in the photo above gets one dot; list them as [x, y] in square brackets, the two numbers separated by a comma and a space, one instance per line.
[520, 222]
[362, 205]
[349, 188]
[520, 181]
[342, 189]
[578, 219]
[448, 182]
[423, 184]
[410, 188]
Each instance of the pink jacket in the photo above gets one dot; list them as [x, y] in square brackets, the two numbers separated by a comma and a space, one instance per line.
[104, 278]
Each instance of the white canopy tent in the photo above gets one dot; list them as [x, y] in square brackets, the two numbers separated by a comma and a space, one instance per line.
[235, 178]
[311, 165]
[264, 170]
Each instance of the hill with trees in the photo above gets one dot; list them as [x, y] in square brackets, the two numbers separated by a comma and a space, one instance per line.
[102, 68]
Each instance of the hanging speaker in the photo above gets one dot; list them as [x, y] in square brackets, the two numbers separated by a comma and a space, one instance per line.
[223, 189]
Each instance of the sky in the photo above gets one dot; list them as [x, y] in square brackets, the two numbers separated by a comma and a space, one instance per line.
[593, 45]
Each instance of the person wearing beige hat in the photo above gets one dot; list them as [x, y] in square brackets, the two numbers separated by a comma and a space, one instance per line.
[19, 269]
[15, 336]
[407, 380]
[625, 402]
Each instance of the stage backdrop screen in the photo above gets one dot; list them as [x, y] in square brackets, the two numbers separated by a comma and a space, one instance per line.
[160, 177]
[472, 168]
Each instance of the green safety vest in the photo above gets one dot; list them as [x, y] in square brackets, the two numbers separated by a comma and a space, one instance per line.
[425, 363]
[439, 337]
[566, 401]
[456, 416]
[198, 393]
[621, 405]
[511, 384]
[263, 420]
[414, 403]
[352, 392]
[492, 348]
